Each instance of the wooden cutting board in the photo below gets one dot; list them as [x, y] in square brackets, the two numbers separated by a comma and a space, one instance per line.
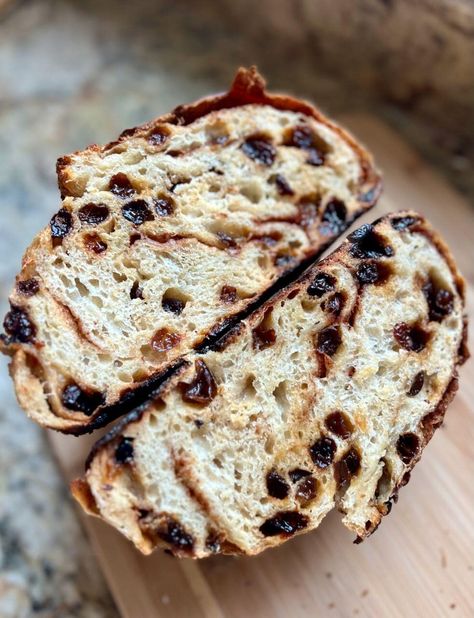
[421, 560]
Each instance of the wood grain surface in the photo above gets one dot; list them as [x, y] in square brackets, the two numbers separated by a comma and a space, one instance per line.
[420, 563]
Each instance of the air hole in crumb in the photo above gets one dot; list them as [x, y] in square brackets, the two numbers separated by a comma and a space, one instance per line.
[252, 191]
[174, 301]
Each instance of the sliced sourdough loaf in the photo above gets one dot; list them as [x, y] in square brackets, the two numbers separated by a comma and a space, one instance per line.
[167, 235]
[324, 397]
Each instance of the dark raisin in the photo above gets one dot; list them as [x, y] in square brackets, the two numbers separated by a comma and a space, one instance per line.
[373, 272]
[164, 340]
[440, 300]
[367, 243]
[164, 206]
[158, 136]
[335, 303]
[297, 474]
[75, 398]
[227, 241]
[121, 186]
[175, 535]
[304, 137]
[124, 455]
[262, 336]
[228, 294]
[136, 291]
[28, 287]
[408, 445]
[213, 543]
[283, 186]
[329, 340]
[94, 243]
[198, 422]
[134, 238]
[93, 214]
[18, 326]
[315, 157]
[306, 490]
[260, 149]
[173, 305]
[322, 451]
[60, 224]
[347, 467]
[321, 284]
[284, 523]
[283, 260]
[417, 384]
[276, 485]
[203, 388]
[339, 424]
[137, 212]
[401, 223]
[411, 337]
[334, 218]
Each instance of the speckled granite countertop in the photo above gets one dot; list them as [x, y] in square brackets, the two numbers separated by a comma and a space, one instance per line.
[72, 73]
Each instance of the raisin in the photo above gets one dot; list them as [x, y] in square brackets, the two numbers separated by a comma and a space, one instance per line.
[413, 338]
[401, 223]
[372, 272]
[28, 287]
[93, 214]
[213, 543]
[283, 259]
[347, 467]
[335, 303]
[18, 326]
[321, 284]
[173, 305]
[297, 474]
[440, 301]
[339, 424]
[262, 336]
[303, 137]
[163, 340]
[276, 485]
[417, 384]
[203, 388]
[175, 535]
[283, 186]
[75, 398]
[124, 455]
[137, 212]
[329, 340]
[121, 186]
[158, 136]
[367, 243]
[284, 523]
[136, 291]
[408, 445]
[134, 238]
[164, 206]
[334, 218]
[94, 243]
[322, 451]
[60, 225]
[228, 294]
[260, 149]
[227, 241]
[306, 490]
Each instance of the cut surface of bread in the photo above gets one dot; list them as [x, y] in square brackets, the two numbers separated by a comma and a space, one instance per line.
[323, 398]
[167, 234]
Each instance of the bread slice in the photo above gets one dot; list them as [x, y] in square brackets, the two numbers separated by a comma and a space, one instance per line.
[325, 397]
[166, 235]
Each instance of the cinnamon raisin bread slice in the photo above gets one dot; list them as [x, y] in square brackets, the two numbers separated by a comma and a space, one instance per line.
[325, 397]
[167, 234]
